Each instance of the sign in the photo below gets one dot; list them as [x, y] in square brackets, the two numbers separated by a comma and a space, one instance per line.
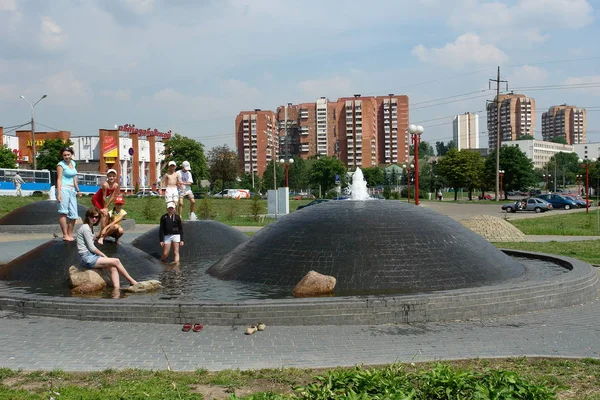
[110, 149]
[38, 143]
[130, 151]
[338, 178]
[127, 128]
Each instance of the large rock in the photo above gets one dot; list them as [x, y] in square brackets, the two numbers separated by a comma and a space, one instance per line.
[144, 286]
[80, 276]
[314, 284]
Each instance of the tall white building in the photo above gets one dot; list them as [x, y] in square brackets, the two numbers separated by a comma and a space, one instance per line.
[322, 145]
[466, 131]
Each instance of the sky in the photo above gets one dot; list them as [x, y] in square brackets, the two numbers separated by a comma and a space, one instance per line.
[190, 66]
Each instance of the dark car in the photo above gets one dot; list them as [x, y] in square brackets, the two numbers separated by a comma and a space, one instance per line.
[558, 201]
[531, 204]
[312, 203]
[581, 202]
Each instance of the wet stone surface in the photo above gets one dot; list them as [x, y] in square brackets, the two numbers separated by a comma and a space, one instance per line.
[43, 212]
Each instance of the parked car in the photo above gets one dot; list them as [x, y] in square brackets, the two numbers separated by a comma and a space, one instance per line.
[233, 194]
[579, 200]
[558, 201]
[147, 193]
[303, 197]
[312, 203]
[485, 196]
[531, 204]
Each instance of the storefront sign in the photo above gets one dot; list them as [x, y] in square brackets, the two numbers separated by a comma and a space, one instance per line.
[110, 149]
[144, 132]
[38, 143]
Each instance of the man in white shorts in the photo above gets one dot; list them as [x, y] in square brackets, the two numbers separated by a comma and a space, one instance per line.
[171, 182]
[185, 174]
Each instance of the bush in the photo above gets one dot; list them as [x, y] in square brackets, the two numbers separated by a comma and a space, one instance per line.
[205, 209]
[257, 207]
[153, 208]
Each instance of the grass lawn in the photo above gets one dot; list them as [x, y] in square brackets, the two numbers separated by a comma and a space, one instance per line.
[518, 378]
[572, 224]
[585, 250]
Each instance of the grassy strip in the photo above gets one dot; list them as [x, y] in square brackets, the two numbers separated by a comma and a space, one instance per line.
[572, 224]
[585, 250]
[516, 378]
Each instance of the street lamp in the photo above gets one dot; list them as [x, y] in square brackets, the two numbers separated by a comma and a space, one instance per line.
[33, 150]
[410, 167]
[416, 131]
[287, 165]
[547, 177]
[501, 174]
[578, 177]
[586, 163]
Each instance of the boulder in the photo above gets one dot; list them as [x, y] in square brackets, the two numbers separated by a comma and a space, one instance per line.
[144, 286]
[89, 287]
[314, 284]
[90, 277]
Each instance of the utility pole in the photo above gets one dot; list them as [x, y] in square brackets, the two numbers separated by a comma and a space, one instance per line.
[498, 126]
[33, 149]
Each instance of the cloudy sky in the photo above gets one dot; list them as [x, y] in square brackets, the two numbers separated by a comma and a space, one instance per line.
[191, 65]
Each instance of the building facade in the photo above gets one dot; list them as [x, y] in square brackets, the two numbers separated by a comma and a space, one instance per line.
[465, 129]
[517, 118]
[538, 151]
[587, 151]
[565, 121]
[257, 140]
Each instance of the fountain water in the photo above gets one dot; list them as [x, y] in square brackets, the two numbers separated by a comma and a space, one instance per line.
[358, 188]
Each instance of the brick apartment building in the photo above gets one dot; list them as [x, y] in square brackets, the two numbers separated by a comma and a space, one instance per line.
[517, 118]
[565, 121]
[361, 131]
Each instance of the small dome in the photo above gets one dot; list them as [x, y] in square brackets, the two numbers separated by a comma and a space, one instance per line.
[369, 247]
[43, 212]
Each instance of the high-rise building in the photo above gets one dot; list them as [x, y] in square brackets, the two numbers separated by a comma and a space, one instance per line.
[257, 140]
[517, 118]
[564, 121]
[466, 131]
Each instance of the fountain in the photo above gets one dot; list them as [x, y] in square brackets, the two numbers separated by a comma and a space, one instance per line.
[358, 188]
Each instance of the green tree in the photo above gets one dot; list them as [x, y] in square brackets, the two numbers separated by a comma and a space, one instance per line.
[224, 165]
[525, 137]
[180, 148]
[518, 169]
[564, 167]
[461, 169]
[299, 174]
[49, 153]
[441, 148]
[267, 178]
[324, 171]
[559, 139]
[425, 150]
[374, 176]
[8, 159]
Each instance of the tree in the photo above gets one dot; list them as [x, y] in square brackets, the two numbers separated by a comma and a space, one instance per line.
[324, 171]
[224, 165]
[425, 150]
[518, 169]
[442, 148]
[525, 137]
[299, 173]
[180, 148]
[564, 167]
[559, 139]
[374, 176]
[267, 178]
[49, 153]
[8, 159]
[461, 169]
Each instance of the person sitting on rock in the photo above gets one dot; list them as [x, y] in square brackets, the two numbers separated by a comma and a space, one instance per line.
[91, 257]
[114, 228]
[170, 232]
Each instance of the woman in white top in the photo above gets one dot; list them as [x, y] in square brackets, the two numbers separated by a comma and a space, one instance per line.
[91, 257]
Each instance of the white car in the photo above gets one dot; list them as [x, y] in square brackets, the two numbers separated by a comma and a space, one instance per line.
[234, 194]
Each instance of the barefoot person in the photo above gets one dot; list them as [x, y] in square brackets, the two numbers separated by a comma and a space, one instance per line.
[170, 233]
[185, 173]
[67, 190]
[91, 257]
[105, 196]
[114, 228]
[171, 181]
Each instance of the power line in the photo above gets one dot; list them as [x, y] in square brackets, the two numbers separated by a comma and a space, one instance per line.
[17, 127]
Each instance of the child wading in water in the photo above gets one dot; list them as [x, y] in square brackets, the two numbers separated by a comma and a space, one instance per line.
[170, 233]
[114, 228]
[91, 257]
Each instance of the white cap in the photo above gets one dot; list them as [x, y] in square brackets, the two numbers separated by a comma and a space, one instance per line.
[114, 171]
[172, 163]
[171, 204]
[186, 165]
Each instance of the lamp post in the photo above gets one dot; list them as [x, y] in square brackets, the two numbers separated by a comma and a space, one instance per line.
[287, 165]
[411, 166]
[586, 163]
[501, 174]
[578, 177]
[416, 131]
[33, 150]
[547, 177]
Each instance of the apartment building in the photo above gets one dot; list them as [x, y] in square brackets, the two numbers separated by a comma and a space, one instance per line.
[538, 151]
[517, 118]
[565, 121]
[257, 139]
[466, 131]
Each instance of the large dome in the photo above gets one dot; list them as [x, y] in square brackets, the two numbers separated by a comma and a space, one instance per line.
[369, 247]
[44, 212]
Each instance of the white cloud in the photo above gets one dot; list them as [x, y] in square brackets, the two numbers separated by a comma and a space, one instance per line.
[585, 80]
[119, 94]
[326, 87]
[467, 49]
[8, 5]
[64, 88]
[527, 75]
[140, 6]
[52, 36]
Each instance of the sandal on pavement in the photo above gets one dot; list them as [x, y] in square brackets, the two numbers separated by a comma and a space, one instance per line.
[250, 330]
[198, 327]
[186, 327]
[261, 326]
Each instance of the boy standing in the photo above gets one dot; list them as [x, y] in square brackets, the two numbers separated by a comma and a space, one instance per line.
[171, 182]
[170, 233]
[185, 174]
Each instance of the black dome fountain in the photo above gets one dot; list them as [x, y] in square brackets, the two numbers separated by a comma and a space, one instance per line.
[44, 212]
[393, 262]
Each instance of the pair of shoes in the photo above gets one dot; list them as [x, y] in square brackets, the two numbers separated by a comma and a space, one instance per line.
[261, 326]
[196, 327]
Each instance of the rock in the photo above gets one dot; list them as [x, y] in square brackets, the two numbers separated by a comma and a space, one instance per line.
[313, 284]
[88, 288]
[144, 286]
[89, 277]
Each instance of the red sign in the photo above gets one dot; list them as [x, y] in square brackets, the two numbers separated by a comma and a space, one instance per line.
[110, 147]
[144, 132]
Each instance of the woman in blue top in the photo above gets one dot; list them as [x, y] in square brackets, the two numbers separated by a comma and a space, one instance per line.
[67, 190]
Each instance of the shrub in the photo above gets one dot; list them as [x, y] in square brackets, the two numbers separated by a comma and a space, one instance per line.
[205, 209]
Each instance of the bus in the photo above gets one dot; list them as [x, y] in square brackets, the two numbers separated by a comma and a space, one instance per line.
[36, 182]
[41, 181]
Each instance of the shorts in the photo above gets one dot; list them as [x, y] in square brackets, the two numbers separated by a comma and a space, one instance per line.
[171, 194]
[172, 239]
[88, 260]
[68, 205]
[188, 194]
